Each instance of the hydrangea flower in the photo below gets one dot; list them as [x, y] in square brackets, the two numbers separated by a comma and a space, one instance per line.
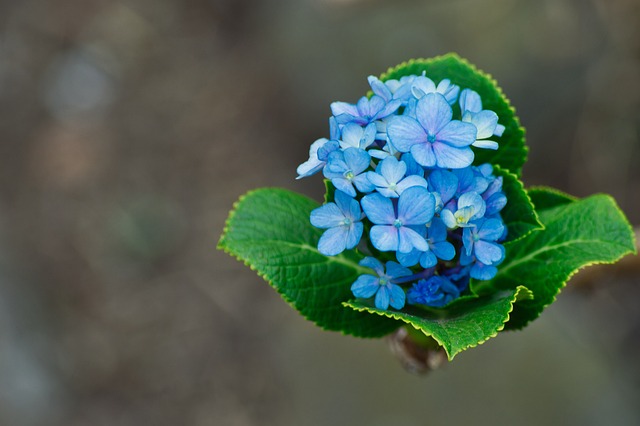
[389, 178]
[480, 241]
[470, 207]
[471, 104]
[342, 221]
[346, 168]
[436, 291]
[423, 85]
[394, 227]
[354, 136]
[383, 285]
[433, 138]
[392, 89]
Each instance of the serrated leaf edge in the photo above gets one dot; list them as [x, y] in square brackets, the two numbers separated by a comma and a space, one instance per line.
[450, 355]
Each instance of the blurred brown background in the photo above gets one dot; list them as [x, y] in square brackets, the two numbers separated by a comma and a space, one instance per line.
[129, 127]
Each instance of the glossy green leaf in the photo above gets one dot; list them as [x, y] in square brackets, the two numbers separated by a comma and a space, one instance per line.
[512, 153]
[577, 234]
[269, 230]
[518, 215]
[463, 324]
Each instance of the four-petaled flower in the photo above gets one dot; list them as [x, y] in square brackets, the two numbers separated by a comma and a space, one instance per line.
[346, 168]
[394, 225]
[433, 138]
[480, 246]
[389, 178]
[342, 221]
[383, 286]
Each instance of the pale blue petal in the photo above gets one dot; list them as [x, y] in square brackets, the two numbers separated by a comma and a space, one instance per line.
[421, 86]
[344, 185]
[488, 253]
[486, 122]
[379, 88]
[327, 216]
[357, 160]
[448, 218]
[470, 101]
[473, 200]
[388, 109]
[376, 179]
[334, 129]
[483, 272]
[309, 167]
[382, 298]
[339, 108]
[353, 235]
[364, 106]
[373, 263]
[396, 297]
[411, 181]
[486, 144]
[449, 157]
[343, 201]
[423, 154]
[404, 132]
[491, 230]
[333, 241]
[363, 184]
[365, 286]
[416, 206]
[458, 134]
[387, 192]
[467, 240]
[409, 239]
[351, 135]
[369, 135]
[392, 169]
[437, 231]
[384, 238]
[433, 112]
[495, 203]
[413, 168]
[499, 130]
[378, 209]
[445, 183]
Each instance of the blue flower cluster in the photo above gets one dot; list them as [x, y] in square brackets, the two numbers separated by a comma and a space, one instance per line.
[401, 165]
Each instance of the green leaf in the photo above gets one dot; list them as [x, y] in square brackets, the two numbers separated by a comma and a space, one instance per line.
[577, 233]
[269, 230]
[512, 153]
[545, 198]
[463, 324]
[519, 214]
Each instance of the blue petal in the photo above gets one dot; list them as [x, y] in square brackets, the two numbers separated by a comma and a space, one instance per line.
[473, 200]
[351, 135]
[416, 206]
[488, 253]
[333, 241]
[379, 88]
[365, 286]
[353, 235]
[396, 297]
[486, 144]
[483, 272]
[363, 184]
[423, 154]
[404, 132]
[486, 122]
[392, 169]
[470, 101]
[378, 209]
[433, 112]
[409, 239]
[444, 250]
[334, 129]
[413, 168]
[410, 182]
[437, 231]
[428, 259]
[384, 238]
[445, 183]
[448, 218]
[357, 160]
[382, 298]
[339, 108]
[344, 185]
[499, 130]
[395, 270]
[457, 134]
[495, 203]
[409, 259]
[373, 263]
[467, 240]
[491, 230]
[449, 157]
[389, 109]
[377, 179]
[327, 216]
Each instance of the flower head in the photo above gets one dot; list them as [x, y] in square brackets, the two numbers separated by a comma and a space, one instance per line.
[342, 221]
[383, 285]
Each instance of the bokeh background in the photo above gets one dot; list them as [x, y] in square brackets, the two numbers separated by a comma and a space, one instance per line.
[129, 127]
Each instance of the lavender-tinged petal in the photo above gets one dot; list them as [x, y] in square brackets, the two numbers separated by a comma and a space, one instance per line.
[470, 101]
[376, 105]
[396, 297]
[384, 238]
[379, 88]
[378, 209]
[433, 112]
[449, 157]
[373, 263]
[389, 109]
[365, 286]
[327, 216]
[333, 241]
[416, 206]
[382, 298]
[404, 132]
[334, 129]
[364, 107]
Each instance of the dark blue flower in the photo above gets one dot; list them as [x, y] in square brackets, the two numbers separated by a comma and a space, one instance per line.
[342, 221]
[436, 291]
[382, 286]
